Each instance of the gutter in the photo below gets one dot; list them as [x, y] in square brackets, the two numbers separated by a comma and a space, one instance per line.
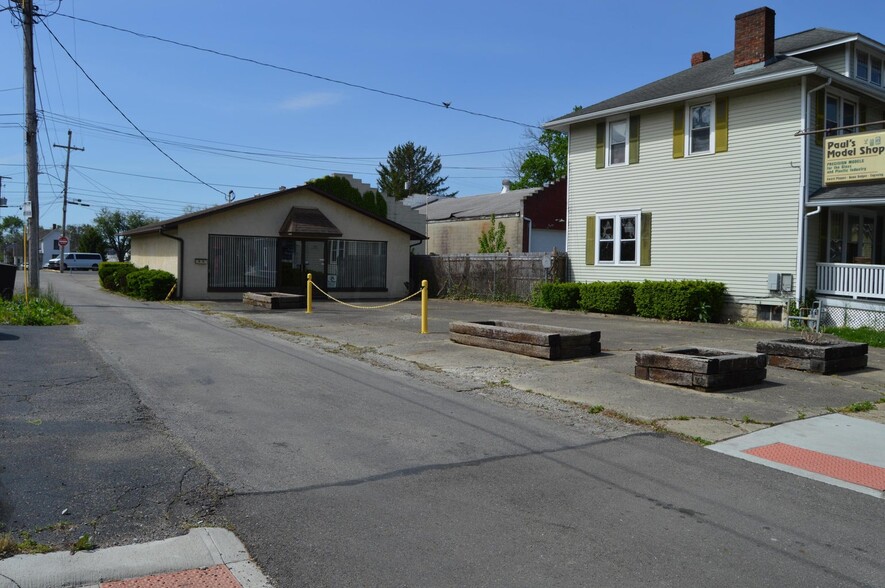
[180, 261]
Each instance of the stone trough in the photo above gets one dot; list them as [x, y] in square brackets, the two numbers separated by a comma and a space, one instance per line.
[822, 357]
[543, 341]
[275, 300]
[701, 368]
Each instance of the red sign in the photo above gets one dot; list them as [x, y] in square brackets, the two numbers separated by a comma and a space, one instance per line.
[62, 240]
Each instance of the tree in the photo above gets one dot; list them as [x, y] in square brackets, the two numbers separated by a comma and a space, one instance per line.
[11, 228]
[340, 187]
[492, 240]
[411, 169]
[91, 240]
[111, 223]
[542, 161]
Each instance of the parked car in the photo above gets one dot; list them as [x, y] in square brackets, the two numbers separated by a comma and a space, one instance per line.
[77, 261]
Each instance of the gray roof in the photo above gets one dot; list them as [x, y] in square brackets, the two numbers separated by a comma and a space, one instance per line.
[873, 193]
[717, 72]
[483, 205]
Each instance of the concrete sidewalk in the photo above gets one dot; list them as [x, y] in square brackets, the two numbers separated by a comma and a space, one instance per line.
[203, 557]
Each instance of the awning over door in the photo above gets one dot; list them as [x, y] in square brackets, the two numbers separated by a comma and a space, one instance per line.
[308, 223]
[850, 195]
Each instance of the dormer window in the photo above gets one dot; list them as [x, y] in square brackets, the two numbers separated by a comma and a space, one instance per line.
[868, 67]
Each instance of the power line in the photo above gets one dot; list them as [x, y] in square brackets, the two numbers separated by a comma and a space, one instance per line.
[117, 108]
[444, 105]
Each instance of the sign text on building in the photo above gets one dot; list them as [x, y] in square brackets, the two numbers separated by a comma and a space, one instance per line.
[858, 157]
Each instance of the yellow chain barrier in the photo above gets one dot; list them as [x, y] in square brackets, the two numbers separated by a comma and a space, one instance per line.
[422, 291]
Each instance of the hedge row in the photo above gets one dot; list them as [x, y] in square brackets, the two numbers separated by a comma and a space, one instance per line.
[144, 283]
[683, 300]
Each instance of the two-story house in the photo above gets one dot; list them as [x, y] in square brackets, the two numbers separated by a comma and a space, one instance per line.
[717, 173]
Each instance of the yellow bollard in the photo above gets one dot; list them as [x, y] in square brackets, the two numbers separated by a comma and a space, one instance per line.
[424, 307]
[309, 293]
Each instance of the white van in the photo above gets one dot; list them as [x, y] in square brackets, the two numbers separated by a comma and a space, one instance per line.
[76, 261]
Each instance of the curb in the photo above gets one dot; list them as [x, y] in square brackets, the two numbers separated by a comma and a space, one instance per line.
[201, 548]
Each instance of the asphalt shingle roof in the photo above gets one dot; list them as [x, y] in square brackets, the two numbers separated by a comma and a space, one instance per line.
[717, 72]
[482, 205]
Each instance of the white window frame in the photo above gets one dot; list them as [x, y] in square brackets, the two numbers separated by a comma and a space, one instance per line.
[842, 98]
[616, 237]
[608, 141]
[873, 58]
[711, 102]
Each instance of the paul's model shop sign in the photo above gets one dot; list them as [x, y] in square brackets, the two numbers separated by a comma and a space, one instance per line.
[854, 158]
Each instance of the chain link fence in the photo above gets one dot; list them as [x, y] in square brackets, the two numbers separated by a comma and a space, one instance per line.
[838, 316]
[490, 276]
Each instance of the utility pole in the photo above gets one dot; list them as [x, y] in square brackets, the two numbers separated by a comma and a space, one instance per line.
[64, 206]
[33, 253]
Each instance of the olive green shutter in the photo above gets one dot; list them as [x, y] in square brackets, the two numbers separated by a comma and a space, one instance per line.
[590, 249]
[634, 139]
[600, 145]
[721, 125]
[819, 106]
[645, 240]
[679, 133]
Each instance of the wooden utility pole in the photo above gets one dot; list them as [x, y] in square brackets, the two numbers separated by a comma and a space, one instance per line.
[33, 253]
[64, 206]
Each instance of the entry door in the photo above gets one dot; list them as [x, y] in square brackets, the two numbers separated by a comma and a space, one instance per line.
[299, 258]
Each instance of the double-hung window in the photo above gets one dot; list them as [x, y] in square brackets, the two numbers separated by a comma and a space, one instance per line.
[700, 133]
[868, 67]
[618, 238]
[839, 113]
[617, 141]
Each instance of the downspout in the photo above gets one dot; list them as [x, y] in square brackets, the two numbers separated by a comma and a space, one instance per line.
[803, 190]
[180, 261]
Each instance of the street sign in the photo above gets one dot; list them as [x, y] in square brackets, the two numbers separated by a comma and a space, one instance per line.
[62, 240]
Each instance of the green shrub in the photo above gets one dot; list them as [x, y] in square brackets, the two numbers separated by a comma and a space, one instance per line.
[149, 284]
[608, 297]
[685, 300]
[42, 310]
[112, 274]
[556, 295]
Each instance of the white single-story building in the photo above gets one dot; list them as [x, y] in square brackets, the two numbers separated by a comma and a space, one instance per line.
[270, 242]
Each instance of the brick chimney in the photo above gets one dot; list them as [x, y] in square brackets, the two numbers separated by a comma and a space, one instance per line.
[754, 38]
[699, 57]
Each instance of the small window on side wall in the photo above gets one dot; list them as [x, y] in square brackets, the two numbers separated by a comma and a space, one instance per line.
[700, 131]
[617, 145]
[617, 242]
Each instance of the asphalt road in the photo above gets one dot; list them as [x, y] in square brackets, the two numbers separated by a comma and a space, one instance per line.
[347, 474]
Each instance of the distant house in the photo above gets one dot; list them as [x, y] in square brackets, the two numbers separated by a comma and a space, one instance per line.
[533, 218]
[724, 171]
[49, 246]
[272, 241]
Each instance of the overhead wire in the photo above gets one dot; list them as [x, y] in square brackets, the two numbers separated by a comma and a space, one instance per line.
[440, 104]
[129, 120]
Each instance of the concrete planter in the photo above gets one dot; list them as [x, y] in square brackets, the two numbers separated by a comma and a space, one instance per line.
[275, 300]
[704, 369]
[823, 357]
[541, 341]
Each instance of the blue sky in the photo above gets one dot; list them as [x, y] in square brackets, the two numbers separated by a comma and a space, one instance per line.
[239, 126]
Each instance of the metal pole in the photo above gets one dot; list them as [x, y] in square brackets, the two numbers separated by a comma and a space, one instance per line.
[33, 253]
[64, 206]
[309, 293]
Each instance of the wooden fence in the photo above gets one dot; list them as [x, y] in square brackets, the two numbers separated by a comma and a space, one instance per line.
[492, 276]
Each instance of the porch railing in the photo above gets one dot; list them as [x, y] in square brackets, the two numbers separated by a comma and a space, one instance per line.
[851, 279]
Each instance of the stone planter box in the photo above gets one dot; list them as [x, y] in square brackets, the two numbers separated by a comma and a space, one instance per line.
[822, 357]
[275, 300]
[541, 341]
[701, 368]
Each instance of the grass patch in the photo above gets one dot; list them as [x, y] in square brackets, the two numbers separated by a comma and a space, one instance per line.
[84, 543]
[867, 335]
[701, 441]
[596, 409]
[858, 407]
[43, 310]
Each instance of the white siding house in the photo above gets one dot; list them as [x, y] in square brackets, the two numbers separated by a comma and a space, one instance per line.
[716, 172]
